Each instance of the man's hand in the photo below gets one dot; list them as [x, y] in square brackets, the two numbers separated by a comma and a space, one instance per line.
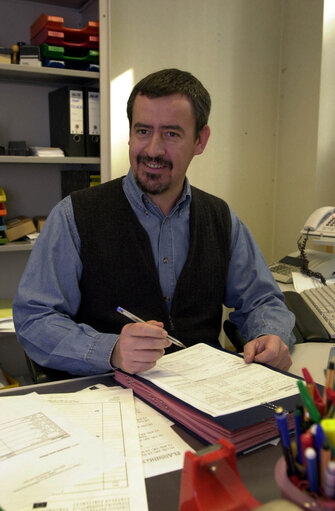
[269, 349]
[139, 346]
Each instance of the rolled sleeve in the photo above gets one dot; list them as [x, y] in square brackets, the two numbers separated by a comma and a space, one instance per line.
[258, 303]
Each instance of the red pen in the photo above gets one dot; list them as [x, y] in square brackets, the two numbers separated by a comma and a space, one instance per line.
[306, 440]
[329, 380]
[317, 398]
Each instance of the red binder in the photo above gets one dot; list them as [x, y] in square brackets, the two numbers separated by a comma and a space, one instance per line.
[245, 428]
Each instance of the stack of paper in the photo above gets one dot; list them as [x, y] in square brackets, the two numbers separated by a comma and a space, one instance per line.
[215, 394]
[86, 450]
[47, 151]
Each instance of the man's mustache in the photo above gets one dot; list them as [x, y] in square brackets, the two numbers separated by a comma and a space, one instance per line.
[158, 161]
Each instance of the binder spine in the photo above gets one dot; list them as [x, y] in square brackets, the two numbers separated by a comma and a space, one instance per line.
[92, 121]
[66, 119]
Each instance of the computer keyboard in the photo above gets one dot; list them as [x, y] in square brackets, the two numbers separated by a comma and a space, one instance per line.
[322, 302]
[282, 270]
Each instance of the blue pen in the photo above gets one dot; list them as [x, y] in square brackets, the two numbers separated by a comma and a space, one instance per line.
[319, 439]
[312, 469]
[281, 419]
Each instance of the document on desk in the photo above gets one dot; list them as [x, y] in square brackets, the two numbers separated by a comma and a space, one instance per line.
[111, 417]
[217, 382]
[42, 451]
[162, 449]
[215, 394]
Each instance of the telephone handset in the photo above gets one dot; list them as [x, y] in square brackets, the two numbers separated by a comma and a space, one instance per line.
[321, 222]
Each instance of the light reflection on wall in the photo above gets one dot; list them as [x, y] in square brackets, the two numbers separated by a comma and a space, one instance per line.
[326, 151]
[121, 87]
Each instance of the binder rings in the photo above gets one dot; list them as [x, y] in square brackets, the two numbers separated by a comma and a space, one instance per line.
[92, 121]
[66, 118]
[246, 428]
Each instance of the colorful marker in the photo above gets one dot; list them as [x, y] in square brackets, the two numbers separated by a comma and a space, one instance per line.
[313, 412]
[312, 469]
[281, 418]
[329, 483]
[325, 457]
[297, 426]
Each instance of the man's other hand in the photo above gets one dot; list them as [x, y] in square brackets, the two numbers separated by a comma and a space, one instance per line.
[268, 349]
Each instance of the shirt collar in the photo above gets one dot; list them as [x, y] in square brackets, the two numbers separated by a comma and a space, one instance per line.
[141, 201]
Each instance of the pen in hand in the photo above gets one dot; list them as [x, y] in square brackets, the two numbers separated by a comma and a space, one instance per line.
[139, 320]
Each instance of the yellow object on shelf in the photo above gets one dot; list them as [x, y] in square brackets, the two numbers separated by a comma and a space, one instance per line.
[6, 310]
[6, 381]
[11, 382]
[2, 195]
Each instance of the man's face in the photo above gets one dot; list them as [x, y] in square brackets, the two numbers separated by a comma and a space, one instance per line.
[162, 143]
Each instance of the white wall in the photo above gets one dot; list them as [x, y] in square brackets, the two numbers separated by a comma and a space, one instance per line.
[261, 61]
[325, 169]
[298, 120]
[233, 47]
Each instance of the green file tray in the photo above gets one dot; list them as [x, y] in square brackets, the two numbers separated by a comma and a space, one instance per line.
[59, 53]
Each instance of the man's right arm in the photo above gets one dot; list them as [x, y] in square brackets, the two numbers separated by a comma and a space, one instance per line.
[48, 297]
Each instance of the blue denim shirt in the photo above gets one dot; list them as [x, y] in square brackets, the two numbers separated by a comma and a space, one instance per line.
[48, 295]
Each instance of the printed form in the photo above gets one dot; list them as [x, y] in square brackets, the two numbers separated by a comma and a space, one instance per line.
[140, 441]
[111, 417]
[217, 382]
[162, 448]
[43, 451]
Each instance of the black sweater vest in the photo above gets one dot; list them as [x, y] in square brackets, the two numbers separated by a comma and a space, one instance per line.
[119, 268]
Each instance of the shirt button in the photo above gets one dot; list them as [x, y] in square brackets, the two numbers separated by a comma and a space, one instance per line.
[165, 260]
[167, 298]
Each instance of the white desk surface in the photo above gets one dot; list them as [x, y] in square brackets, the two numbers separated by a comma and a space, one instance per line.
[314, 356]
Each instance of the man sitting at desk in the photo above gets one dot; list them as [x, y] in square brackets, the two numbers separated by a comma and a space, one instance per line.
[153, 244]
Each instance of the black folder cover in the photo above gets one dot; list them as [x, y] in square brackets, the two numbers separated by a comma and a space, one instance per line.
[245, 429]
[66, 119]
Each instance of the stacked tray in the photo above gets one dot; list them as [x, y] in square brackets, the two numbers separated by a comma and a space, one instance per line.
[74, 48]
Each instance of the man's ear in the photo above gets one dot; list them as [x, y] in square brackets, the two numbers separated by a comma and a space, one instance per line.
[202, 140]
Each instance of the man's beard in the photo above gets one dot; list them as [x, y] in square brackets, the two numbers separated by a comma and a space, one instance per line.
[151, 183]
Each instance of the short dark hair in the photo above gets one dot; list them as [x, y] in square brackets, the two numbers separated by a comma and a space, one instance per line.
[174, 81]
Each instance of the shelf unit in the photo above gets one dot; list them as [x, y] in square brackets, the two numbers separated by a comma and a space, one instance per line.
[42, 75]
[32, 183]
[66, 160]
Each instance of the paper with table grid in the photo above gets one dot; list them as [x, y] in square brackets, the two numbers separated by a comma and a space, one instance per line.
[139, 441]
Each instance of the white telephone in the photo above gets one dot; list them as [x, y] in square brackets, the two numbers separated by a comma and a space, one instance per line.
[321, 223]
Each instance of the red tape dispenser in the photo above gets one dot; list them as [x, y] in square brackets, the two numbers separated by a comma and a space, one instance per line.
[211, 482]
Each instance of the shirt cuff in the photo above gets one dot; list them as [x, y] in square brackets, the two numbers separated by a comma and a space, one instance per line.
[101, 351]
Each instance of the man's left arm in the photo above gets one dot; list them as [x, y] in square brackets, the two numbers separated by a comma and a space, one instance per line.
[259, 312]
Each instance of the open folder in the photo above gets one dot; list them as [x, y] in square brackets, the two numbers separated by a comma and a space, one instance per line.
[214, 394]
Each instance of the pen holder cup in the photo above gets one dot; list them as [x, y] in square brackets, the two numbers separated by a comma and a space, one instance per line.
[300, 497]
